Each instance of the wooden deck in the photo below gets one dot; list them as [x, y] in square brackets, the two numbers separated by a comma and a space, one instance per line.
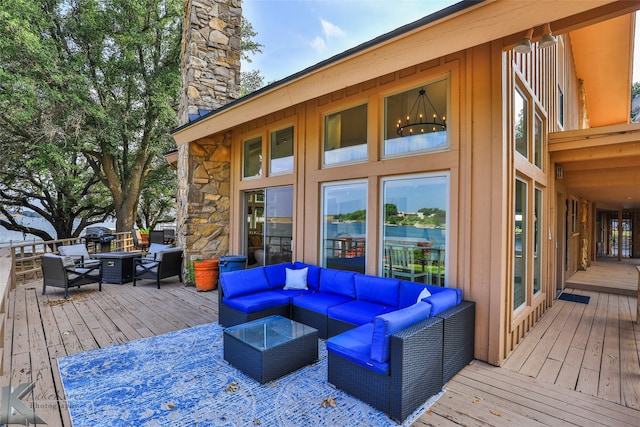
[578, 366]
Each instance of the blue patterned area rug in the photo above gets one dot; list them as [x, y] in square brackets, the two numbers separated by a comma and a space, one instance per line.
[181, 379]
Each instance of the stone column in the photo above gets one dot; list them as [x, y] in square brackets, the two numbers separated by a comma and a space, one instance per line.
[210, 65]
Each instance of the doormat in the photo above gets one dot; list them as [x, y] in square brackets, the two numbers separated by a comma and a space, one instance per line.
[180, 379]
[574, 298]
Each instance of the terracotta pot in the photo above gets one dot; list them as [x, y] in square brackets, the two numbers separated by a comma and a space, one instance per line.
[206, 274]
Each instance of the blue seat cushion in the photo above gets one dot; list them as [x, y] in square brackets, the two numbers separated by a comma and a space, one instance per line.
[442, 300]
[313, 274]
[338, 282]
[292, 293]
[378, 290]
[276, 274]
[355, 346]
[257, 301]
[388, 324]
[319, 301]
[243, 282]
[358, 312]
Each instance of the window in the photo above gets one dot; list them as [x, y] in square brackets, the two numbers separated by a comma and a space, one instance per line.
[415, 120]
[560, 107]
[252, 153]
[415, 228]
[281, 151]
[344, 225]
[521, 122]
[537, 241]
[345, 136]
[538, 138]
[520, 247]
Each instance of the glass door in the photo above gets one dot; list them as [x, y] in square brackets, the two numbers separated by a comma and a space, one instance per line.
[269, 225]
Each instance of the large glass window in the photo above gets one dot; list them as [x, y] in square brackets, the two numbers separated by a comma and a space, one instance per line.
[281, 151]
[345, 136]
[415, 228]
[252, 157]
[521, 123]
[344, 225]
[520, 247]
[416, 120]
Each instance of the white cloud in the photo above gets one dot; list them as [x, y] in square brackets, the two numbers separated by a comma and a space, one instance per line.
[330, 30]
[318, 44]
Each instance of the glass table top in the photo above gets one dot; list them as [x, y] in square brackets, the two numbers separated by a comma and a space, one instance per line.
[269, 332]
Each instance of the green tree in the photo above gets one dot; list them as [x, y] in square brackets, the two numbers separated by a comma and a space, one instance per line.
[250, 80]
[39, 169]
[103, 76]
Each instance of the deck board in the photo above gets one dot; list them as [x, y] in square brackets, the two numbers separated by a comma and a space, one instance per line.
[39, 329]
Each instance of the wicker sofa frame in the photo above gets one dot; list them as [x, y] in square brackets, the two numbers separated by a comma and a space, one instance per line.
[415, 368]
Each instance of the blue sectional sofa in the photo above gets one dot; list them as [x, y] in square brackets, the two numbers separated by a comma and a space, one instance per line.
[390, 343]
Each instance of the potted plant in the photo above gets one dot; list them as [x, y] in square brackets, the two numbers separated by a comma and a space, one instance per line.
[144, 235]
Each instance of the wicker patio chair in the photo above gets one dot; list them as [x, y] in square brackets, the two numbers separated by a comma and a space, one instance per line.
[55, 273]
[167, 263]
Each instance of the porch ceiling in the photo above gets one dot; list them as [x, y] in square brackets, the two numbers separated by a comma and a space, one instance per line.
[600, 164]
[603, 54]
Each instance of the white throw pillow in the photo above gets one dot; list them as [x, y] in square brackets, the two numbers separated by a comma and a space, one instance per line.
[296, 279]
[424, 294]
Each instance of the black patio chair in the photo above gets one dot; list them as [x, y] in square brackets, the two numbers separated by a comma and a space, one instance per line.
[137, 240]
[167, 263]
[156, 236]
[55, 273]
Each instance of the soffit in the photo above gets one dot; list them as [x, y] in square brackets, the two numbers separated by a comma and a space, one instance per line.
[603, 56]
[600, 164]
[488, 21]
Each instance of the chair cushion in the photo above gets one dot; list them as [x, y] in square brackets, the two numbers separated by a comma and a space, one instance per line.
[378, 290]
[292, 293]
[157, 247]
[442, 300]
[74, 251]
[338, 282]
[358, 312]
[319, 301]
[388, 324]
[257, 301]
[355, 346]
[243, 282]
[276, 274]
[313, 275]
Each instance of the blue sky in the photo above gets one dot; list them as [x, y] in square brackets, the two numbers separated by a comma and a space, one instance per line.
[299, 33]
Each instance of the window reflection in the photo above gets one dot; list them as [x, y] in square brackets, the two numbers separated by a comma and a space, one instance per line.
[415, 228]
[345, 136]
[344, 225]
[520, 247]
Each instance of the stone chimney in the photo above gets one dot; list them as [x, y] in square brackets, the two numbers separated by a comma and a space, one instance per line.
[210, 69]
[210, 60]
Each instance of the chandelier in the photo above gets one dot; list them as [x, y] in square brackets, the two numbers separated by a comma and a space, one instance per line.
[417, 123]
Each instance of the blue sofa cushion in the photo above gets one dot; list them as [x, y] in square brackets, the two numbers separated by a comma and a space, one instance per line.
[292, 293]
[319, 301]
[388, 324]
[378, 290]
[257, 301]
[276, 274]
[442, 300]
[338, 282]
[313, 276]
[409, 292]
[355, 346]
[358, 312]
[243, 282]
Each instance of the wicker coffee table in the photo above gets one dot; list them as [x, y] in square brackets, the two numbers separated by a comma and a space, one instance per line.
[268, 348]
